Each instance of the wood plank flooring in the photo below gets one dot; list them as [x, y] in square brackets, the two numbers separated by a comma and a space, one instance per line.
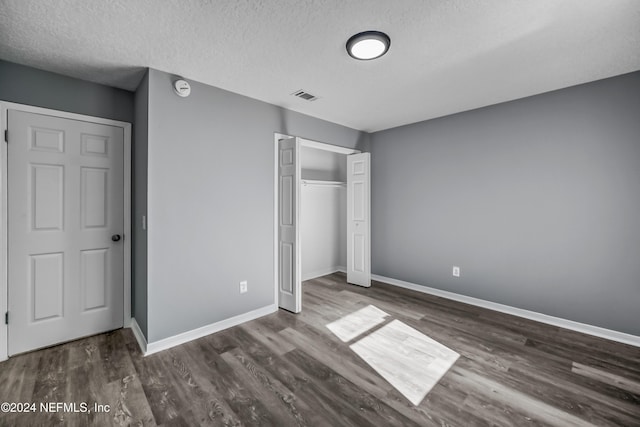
[291, 370]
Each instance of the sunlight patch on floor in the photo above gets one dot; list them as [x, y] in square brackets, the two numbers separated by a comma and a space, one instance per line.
[357, 323]
[409, 360]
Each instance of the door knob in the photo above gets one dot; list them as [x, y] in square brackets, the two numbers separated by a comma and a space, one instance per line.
[116, 237]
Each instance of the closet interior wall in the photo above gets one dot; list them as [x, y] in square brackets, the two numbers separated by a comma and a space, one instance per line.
[323, 237]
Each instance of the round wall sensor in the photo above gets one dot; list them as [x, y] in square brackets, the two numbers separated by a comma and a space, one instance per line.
[182, 88]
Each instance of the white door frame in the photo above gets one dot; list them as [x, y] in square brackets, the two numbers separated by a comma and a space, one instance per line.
[4, 252]
[276, 206]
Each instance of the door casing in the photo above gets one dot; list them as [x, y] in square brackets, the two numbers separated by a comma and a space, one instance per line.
[4, 250]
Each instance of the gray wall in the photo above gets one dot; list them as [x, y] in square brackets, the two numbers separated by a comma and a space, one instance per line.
[210, 201]
[30, 86]
[139, 205]
[537, 200]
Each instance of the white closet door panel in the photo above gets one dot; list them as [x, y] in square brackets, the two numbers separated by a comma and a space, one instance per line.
[93, 203]
[289, 284]
[47, 197]
[358, 219]
[94, 273]
[47, 286]
[46, 139]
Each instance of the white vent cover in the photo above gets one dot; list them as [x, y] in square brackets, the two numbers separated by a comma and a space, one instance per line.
[304, 95]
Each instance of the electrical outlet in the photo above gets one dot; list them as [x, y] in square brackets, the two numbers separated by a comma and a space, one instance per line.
[456, 271]
[243, 286]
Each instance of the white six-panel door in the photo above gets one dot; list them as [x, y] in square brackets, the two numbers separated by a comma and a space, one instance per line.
[289, 284]
[358, 219]
[65, 209]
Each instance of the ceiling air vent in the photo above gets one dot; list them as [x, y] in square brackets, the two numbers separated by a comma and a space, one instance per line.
[304, 95]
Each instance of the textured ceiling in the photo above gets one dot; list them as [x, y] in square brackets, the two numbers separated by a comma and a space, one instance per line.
[445, 56]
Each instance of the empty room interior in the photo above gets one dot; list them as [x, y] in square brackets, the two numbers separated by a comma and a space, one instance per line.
[320, 213]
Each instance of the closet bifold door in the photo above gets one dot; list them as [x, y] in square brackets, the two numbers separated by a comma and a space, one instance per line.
[289, 284]
[359, 219]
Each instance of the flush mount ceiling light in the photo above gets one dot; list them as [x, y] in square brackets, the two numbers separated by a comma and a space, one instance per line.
[368, 45]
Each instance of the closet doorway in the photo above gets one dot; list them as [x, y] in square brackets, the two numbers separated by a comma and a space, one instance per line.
[322, 215]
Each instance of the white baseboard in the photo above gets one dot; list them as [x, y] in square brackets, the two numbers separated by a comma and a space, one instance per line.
[531, 315]
[166, 343]
[324, 272]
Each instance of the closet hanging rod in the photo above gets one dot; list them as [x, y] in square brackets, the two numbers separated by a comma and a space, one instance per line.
[324, 183]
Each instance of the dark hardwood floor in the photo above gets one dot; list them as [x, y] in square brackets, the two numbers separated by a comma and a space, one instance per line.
[290, 370]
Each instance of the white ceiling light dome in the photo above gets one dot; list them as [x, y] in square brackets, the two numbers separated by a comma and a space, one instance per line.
[368, 45]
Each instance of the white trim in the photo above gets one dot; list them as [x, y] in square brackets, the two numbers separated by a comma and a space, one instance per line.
[276, 268]
[166, 343]
[327, 147]
[62, 114]
[137, 332]
[4, 107]
[4, 253]
[526, 314]
[128, 234]
[324, 272]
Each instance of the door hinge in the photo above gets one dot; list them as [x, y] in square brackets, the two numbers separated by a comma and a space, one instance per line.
[6, 135]
[6, 318]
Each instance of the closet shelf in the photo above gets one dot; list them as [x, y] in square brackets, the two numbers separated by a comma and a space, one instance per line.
[323, 183]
